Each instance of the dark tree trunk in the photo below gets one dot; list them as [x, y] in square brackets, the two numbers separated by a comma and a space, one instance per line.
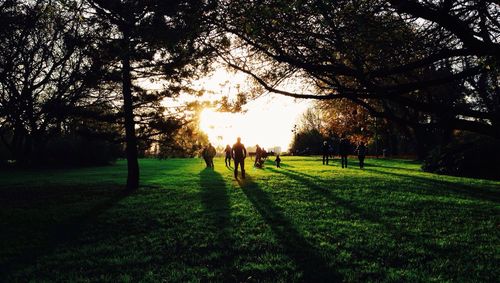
[420, 142]
[128, 109]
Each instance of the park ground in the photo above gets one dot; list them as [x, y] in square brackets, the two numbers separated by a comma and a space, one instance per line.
[303, 222]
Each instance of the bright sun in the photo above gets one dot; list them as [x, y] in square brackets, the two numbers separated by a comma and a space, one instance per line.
[268, 122]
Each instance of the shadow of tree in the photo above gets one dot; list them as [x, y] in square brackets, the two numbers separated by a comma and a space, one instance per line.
[440, 187]
[401, 235]
[216, 204]
[66, 232]
[309, 261]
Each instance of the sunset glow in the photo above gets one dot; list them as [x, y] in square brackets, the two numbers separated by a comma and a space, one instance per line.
[268, 122]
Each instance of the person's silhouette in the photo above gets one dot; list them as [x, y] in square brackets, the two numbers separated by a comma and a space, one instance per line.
[344, 151]
[278, 161]
[227, 160]
[239, 153]
[258, 155]
[325, 150]
[361, 149]
[209, 154]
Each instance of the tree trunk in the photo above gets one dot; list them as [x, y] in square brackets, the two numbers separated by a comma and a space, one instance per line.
[420, 142]
[128, 109]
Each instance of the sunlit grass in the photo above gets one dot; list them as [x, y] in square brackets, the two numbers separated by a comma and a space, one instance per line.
[303, 222]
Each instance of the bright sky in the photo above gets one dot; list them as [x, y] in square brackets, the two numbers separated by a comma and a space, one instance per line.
[268, 120]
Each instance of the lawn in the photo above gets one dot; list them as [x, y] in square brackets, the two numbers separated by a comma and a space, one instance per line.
[303, 222]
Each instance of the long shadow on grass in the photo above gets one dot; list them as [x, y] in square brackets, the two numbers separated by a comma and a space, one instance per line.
[310, 262]
[436, 187]
[397, 232]
[369, 163]
[217, 206]
[372, 216]
[59, 234]
[306, 181]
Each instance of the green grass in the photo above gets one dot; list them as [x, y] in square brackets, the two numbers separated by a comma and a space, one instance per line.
[303, 222]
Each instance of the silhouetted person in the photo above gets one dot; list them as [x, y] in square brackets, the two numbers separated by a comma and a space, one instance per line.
[325, 149]
[361, 149]
[208, 155]
[204, 154]
[227, 160]
[278, 161]
[344, 151]
[239, 153]
[258, 155]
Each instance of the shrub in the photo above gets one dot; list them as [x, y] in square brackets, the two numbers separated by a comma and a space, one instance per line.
[469, 155]
[80, 151]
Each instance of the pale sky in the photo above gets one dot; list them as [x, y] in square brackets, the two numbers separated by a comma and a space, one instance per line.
[267, 120]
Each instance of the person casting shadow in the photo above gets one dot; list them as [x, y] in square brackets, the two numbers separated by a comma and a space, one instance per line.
[208, 155]
[361, 149]
[325, 151]
[227, 160]
[239, 153]
[258, 156]
[344, 151]
[278, 161]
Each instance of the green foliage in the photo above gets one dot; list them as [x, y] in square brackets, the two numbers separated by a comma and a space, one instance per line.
[307, 142]
[304, 222]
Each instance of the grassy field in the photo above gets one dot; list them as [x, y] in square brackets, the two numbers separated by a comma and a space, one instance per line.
[303, 222]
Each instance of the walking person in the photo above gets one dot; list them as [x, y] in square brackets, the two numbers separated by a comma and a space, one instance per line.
[227, 160]
[344, 151]
[209, 154]
[258, 156]
[239, 153]
[278, 161]
[325, 149]
[361, 149]
[204, 155]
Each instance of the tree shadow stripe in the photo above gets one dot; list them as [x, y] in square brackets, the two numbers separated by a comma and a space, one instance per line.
[305, 255]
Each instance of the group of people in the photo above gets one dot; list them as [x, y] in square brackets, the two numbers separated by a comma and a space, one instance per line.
[344, 150]
[237, 153]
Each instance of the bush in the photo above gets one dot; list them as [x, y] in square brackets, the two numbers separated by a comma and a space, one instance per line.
[80, 151]
[469, 155]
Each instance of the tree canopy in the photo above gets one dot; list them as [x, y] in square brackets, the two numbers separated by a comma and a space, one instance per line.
[379, 54]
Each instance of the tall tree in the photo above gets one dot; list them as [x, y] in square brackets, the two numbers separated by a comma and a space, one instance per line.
[161, 40]
[45, 72]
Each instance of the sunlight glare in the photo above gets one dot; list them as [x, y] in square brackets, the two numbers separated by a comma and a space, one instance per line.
[268, 122]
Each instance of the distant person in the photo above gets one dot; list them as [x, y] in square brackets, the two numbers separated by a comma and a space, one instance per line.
[227, 160]
[208, 155]
[278, 161]
[361, 150]
[239, 153]
[258, 155]
[204, 155]
[344, 151]
[325, 149]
